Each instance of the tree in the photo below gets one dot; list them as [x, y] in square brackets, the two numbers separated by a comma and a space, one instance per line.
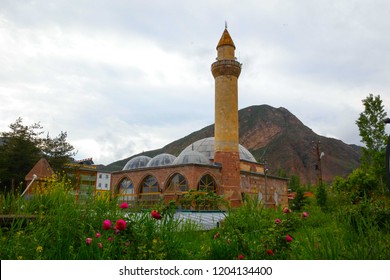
[23, 146]
[372, 131]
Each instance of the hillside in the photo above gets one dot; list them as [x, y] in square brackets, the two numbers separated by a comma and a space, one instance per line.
[278, 137]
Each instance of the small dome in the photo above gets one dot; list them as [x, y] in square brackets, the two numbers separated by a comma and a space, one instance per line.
[137, 162]
[188, 157]
[206, 147]
[160, 160]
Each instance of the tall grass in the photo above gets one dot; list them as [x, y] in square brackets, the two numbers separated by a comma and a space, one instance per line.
[65, 229]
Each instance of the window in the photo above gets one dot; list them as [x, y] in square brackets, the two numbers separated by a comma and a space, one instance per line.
[126, 191]
[177, 184]
[207, 184]
[150, 192]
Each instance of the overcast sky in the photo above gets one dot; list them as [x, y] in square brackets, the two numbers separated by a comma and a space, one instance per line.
[121, 77]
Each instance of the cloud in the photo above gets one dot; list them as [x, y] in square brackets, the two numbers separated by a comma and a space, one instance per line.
[125, 76]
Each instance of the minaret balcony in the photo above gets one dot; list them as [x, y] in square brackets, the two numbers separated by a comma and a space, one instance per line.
[226, 67]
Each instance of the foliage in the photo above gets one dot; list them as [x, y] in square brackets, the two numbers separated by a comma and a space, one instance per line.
[299, 200]
[23, 146]
[357, 186]
[372, 131]
[321, 196]
[198, 200]
[65, 229]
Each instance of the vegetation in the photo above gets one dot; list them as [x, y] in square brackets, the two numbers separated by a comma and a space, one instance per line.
[372, 131]
[62, 229]
[23, 146]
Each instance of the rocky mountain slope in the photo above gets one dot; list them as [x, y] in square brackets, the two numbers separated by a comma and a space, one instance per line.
[278, 138]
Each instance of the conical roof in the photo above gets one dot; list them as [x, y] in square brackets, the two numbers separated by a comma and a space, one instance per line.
[226, 40]
[42, 169]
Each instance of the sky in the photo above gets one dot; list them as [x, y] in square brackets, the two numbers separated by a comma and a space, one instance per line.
[122, 77]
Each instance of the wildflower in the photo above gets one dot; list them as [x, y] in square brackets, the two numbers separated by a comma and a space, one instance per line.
[120, 225]
[39, 249]
[270, 252]
[305, 215]
[277, 221]
[286, 210]
[241, 257]
[88, 240]
[216, 235]
[97, 235]
[107, 224]
[124, 205]
[100, 245]
[110, 239]
[156, 215]
[288, 238]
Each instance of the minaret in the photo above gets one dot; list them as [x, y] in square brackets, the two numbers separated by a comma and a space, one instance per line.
[226, 71]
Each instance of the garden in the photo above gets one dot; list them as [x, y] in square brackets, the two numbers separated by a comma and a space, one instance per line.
[52, 225]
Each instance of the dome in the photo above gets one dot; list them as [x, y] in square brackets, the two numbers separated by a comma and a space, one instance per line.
[188, 157]
[160, 160]
[205, 146]
[137, 162]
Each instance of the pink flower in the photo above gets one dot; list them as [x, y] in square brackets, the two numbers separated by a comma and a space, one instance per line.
[278, 221]
[288, 238]
[107, 224]
[124, 205]
[110, 239]
[270, 252]
[305, 215]
[156, 215]
[241, 257]
[127, 244]
[97, 235]
[286, 210]
[121, 225]
[88, 240]
[100, 245]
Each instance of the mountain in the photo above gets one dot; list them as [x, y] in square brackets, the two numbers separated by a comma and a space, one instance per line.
[277, 137]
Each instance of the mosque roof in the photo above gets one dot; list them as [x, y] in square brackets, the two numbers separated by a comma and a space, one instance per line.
[206, 147]
[190, 156]
[160, 160]
[226, 39]
[137, 162]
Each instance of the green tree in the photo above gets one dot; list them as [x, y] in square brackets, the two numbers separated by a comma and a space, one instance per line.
[23, 146]
[372, 131]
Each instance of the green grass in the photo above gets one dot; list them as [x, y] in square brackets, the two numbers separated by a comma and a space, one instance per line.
[62, 226]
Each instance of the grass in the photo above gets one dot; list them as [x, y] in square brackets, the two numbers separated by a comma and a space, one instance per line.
[63, 225]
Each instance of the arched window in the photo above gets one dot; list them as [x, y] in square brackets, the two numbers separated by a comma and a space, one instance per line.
[207, 184]
[177, 184]
[149, 192]
[126, 191]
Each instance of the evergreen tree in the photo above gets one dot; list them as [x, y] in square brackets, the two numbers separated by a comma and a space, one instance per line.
[23, 146]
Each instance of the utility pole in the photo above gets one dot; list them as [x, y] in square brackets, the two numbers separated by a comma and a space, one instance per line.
[387, 121]
[319, 156]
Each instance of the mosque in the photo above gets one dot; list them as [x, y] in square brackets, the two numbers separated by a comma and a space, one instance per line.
[216, 164]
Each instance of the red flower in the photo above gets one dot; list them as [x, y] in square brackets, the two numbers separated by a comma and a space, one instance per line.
[97, 235]
[270, 252]
[156, 215]
[88, 241]
[100, 245]
[124, 205]
[216, 235]
[241, 257]
[107, 224]
[288, 238]
[286, 210]
[305, 215]
[121, 225]
[278, 221]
